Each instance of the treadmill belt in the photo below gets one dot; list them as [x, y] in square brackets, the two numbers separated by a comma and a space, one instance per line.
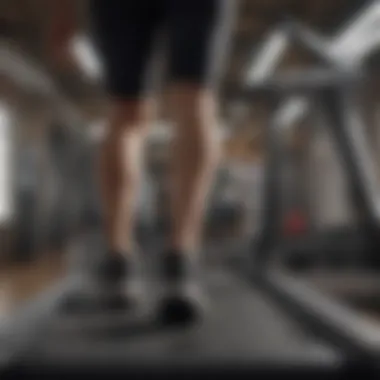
[242, 328]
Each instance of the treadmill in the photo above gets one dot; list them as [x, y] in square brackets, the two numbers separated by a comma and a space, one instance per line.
[344, 73]
[245, 332]
[251, 328]
[258, 322]
[332, 89]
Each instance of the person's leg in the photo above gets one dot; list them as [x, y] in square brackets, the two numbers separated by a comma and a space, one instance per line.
[120, 169]
[200, 35]
[195, 156]
[124, 32]
[199, 38]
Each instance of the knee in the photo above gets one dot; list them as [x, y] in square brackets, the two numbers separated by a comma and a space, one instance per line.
[194, 110]
[196, 124]
[129, 118]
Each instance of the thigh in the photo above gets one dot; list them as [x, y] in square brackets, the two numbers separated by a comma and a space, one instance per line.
[123, 33]
[199, 37]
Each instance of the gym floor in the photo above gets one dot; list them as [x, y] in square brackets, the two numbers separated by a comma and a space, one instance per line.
[19, 283]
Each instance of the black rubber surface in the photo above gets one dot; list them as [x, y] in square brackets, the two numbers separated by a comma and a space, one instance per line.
[345, 247]
[241, 330]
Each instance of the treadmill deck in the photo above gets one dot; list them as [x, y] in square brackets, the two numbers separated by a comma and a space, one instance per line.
[242, 327]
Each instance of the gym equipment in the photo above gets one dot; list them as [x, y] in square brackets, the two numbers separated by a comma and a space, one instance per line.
[49, 191]
[41, 341]
[333, 90]
[45, 192]
[61, 153]
[246, 331]
[25, 234]
[335, 248]
[224, 213]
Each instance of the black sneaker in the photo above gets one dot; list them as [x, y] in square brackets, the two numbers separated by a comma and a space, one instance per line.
[118, 281]
[112, 285]
[181, 301]
[112, 270]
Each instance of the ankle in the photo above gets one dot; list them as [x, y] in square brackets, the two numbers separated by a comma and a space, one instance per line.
[182, 253]
[183, 247]
[125, 249]
[116, 253]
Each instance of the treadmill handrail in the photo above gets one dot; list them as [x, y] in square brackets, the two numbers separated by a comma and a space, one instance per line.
[277, 43]
[304, 80]
[313, 43]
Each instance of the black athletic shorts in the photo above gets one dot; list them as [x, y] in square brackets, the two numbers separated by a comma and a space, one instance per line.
[196, 39]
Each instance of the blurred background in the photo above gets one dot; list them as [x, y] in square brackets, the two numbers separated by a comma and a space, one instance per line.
[51, 121]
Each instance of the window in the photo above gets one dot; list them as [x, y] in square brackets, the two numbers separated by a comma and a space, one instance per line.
[5, 164]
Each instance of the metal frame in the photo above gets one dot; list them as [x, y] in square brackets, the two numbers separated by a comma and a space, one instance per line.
[344, 125]
[333, 88]
[326, 317]
[268, 237]
[30, 74]
[297, 92]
